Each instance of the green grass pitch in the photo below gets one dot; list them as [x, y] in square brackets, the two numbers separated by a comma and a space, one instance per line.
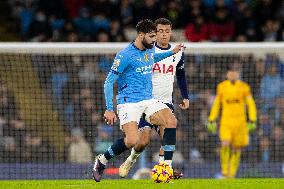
[145, 184]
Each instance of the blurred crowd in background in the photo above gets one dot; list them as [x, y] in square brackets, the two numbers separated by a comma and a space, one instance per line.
[75, 83]
[115, 20]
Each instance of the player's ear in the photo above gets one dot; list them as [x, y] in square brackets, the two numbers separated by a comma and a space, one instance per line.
[141, 35]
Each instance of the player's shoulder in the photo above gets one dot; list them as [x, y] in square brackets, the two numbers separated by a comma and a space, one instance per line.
[128, 49]
[127, 52]
[223, 83]
[243, 84]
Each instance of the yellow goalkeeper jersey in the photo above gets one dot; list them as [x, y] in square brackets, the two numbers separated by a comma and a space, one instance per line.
[233, 98]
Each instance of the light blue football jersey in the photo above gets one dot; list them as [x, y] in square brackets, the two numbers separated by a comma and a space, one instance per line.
[133, 70]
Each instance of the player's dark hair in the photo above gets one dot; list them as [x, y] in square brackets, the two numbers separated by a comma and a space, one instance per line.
[146, 26]
[163, 21]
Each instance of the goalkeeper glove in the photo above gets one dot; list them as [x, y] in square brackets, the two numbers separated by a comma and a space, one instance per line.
[212, 127]
[251, 126]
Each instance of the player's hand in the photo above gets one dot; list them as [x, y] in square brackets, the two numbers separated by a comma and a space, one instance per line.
[212, 127]
[178, 48]
[110, 117]
[251, 126]
[185, 104]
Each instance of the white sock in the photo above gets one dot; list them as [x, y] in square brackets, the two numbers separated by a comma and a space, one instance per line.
[161, 159]
[103, 159]
[134, 155]
[169, 163]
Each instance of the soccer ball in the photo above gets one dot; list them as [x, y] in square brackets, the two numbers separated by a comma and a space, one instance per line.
[162, 173]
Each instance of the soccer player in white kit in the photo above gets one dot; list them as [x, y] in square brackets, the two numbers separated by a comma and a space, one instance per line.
[163, 75]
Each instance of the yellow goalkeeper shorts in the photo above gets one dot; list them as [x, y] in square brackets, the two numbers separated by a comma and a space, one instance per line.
[236, 134]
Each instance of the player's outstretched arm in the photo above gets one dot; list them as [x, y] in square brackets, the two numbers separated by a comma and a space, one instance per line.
[160, 56]
[179, 47]
[109, 115]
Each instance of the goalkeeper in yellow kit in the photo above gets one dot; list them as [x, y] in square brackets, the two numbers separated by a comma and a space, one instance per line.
[235, 100]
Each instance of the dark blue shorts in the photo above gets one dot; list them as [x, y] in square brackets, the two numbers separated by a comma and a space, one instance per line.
[143, 123]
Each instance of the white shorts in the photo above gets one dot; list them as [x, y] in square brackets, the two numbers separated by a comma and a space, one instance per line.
[133, 111]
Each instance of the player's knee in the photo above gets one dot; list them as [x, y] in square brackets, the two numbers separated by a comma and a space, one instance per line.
[225, 143]
[236, 149]
[141, 145]
[171, 122]
[144, 143]
[131, 141]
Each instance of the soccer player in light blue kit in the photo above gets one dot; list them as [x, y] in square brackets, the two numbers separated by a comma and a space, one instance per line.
[132, 69]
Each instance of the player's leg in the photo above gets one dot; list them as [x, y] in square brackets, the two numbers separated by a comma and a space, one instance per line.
[240, 140]
[144, 135]
[234, 161]
[177, 173]
[160, 114]
[121, 145]
[144, 139]
[131, 137]
[129, 115]
[160, 130]
[225, 151]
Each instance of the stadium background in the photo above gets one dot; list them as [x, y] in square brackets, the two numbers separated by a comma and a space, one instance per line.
[52, 104]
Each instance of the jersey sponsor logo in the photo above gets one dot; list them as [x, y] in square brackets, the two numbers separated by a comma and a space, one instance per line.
[232, 101]
[163, 68]
[144, 69]
[115, 65]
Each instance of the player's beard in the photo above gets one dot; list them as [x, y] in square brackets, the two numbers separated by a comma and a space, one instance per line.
[147, 45]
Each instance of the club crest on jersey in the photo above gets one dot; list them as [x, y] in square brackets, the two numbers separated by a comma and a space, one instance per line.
[115, 65]
[146, 57]
[163, 68]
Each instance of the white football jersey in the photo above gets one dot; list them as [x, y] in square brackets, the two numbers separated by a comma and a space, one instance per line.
[164, 75]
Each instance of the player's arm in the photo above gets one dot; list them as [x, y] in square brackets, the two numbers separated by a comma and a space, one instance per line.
[108, 89]
[252, 112]
[182, 84]
[212, 125]
[109, 115]
[160, 56]
[216, 106]
[118, 66]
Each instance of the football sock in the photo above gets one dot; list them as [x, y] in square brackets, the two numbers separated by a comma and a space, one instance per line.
[161, 158]
[169, 162]
[103, 159]
[234, 163]
[134, 154]
[117, 148]
[169, 142]
[225, 157]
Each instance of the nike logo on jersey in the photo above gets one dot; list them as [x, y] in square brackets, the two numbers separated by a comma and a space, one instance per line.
[125, 116]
